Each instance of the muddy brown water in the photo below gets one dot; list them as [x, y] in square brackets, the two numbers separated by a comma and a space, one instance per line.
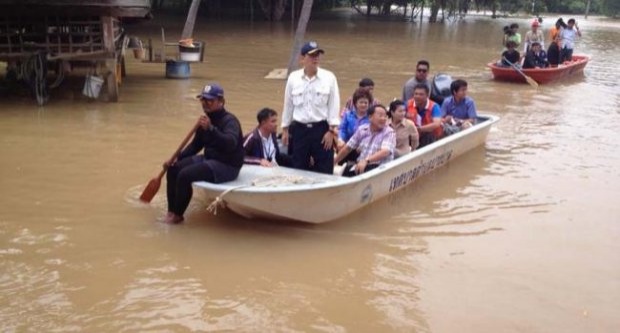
[520, 235]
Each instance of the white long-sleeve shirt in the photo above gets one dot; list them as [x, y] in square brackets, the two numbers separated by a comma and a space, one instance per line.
[531, 37]
[309, 100]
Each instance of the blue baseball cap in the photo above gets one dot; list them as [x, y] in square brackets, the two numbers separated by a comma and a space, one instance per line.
[211, 91]
[311, 48]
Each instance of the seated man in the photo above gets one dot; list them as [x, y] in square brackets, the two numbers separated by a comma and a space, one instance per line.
[261, 145]
[425, 114]
[511, 55]
[535, 57]
[459, 110]
[374, 141]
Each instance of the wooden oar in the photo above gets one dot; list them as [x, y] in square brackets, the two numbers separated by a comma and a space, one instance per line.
[527, 78]
[153, 186]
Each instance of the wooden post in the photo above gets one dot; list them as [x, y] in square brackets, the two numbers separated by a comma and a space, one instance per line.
[188, 30]
[304, 17]
[110, 63]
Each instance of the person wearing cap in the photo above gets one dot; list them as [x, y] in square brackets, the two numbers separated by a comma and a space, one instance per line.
[534, 35]
[219, 137]
[569, 36]
[422, 69]
[535, 57]
[310, 117]
[366, 83]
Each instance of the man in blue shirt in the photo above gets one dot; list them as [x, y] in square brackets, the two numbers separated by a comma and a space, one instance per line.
[459, 110]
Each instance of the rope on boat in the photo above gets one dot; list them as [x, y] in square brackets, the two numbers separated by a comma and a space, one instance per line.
[260, 182]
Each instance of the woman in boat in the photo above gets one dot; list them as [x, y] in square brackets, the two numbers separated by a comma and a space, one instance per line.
[407, 137]
[532, 36]
[374, 141]
[366, 83]
[512, 34]
[354, 117]
[556, 30]
[554, 53]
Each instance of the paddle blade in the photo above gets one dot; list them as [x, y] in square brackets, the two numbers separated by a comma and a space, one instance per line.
[531, 81]
[150, 190]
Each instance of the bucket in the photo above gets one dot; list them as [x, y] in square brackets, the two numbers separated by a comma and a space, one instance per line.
[92, 86]
[177, 69]
[192, 54]
[138, 53]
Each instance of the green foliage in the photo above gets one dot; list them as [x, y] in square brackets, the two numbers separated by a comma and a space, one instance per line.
[610, 7]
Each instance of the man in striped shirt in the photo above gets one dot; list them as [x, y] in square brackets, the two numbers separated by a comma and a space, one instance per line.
[374, 141]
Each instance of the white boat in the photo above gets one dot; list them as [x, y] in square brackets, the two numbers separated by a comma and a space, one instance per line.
[289, 194]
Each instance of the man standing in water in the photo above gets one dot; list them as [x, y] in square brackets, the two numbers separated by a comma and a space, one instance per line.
[219, 135]
[311, 113]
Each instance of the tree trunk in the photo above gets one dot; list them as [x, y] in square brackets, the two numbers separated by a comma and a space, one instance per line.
[188, 30]
[434, 11]
[300, 33]
[587, 9]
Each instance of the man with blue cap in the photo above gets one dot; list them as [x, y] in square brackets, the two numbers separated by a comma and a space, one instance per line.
[310, 117]
[219, 136]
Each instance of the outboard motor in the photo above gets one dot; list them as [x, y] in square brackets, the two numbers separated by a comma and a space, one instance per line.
[440, 88]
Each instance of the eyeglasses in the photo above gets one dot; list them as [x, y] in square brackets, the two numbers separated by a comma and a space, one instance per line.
[422, 70]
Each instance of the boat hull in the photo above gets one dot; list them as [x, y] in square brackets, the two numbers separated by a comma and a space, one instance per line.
[289, 194]
[540, 75]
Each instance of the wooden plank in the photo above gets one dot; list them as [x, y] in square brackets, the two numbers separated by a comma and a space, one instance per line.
[98, 3]
[98, 55]
[39, 11]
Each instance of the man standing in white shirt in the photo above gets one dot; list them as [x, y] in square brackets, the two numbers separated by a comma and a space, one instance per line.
[311, 113]
[569, 36]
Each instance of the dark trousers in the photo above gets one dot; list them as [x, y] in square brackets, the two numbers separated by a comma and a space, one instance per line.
[351, 157]
[567, 54]
[426, 138]
[306, 142]
[348, 172]
[180, 177]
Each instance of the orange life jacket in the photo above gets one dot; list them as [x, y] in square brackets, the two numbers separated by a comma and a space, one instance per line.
[412, 114]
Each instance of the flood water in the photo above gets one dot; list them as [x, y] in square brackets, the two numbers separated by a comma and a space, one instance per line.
[520, 235]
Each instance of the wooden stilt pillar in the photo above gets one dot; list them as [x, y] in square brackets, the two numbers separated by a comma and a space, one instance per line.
[112, 80]
[111, 63]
